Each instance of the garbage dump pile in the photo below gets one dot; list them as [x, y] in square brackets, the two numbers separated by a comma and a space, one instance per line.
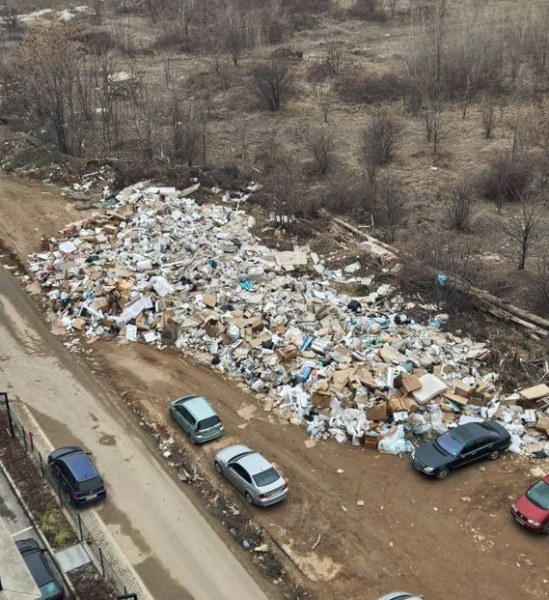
[159, 267]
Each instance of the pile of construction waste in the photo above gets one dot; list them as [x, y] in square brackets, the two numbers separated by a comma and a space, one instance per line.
[156, 266]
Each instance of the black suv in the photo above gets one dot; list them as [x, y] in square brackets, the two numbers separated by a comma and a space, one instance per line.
[40, 569]
[74, 469]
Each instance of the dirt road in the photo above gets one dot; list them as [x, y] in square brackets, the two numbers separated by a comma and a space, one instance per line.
[171, 545]
[444, 539]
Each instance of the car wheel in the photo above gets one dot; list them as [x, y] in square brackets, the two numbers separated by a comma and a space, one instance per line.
[443, 473]
[249, 498]
[494, 455]
[68, 499]
[217, 467]
[546, 530]
[191, 439]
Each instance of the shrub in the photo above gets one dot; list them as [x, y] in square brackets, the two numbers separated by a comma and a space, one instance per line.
[507, 178]
[458, 207]
[272, 84]
[357, 86]
[368, 10]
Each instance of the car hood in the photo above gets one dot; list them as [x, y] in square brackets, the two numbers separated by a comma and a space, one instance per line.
[531, 510]
[430, 456]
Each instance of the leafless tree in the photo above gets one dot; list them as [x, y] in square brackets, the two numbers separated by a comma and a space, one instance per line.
[325, 99]
[321, 145]
[524, 227]
[542, 125]
[390, 206]
[56, 78]
[272, 84]
[233, 28]
[540, 280]
[108, 98]
[378, 142]
[488, 112]
[333, 57]
[425, 65]
[458, 208]
[188, 124]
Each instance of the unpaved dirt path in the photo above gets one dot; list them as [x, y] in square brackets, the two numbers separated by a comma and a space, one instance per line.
[171, 545]
[30, 209]
[450, 539]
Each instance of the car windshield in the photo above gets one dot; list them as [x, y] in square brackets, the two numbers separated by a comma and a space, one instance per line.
[539, 494]
[450, 444]
[266, 477]
[50, 590]
[90, 484]
[209, 422]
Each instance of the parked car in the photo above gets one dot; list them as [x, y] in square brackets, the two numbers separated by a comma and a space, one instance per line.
[41, 569]
[75, 471]
[531, 510]
[197, 418]
[400, 596]
[460, 446]
[251, 474]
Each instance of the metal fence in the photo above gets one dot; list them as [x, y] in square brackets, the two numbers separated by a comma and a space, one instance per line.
[89, 528]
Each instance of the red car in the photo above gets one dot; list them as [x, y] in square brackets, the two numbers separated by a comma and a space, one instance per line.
[532, 509]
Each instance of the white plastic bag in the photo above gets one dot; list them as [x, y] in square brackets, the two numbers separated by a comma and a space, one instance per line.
[395, 443]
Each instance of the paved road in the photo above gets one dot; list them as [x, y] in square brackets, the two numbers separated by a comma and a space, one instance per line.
[168, 541]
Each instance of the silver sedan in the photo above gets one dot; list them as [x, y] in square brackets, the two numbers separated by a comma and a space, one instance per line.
[251, 474]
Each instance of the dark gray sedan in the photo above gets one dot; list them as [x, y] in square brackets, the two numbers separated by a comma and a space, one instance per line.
[251, 474]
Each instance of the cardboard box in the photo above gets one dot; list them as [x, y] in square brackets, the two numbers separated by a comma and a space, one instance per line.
[321, 398]
[462, 389]
[365, 377]
[377, 412]
[287, 353]
[542, 424]
[535, 393]
[403, 404]
[410, 383]
[459, 400]
[371, 441]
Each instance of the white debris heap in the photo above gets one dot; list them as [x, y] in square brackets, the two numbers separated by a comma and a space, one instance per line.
[161, 268]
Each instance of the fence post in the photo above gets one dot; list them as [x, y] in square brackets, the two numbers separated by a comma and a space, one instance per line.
[31, 438]
[80, 527]
[41, 464]
[4, 396]
[25, 440]
[101, 561]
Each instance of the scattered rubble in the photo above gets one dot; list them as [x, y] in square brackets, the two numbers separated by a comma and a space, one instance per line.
[155, 266]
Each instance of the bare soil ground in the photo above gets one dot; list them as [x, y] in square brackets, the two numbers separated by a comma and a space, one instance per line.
[443, 539]
[454, 538]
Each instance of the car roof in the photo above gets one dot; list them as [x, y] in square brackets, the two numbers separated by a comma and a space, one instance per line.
[471, 431]
[80, 466]
[254, 463]
[199, 407]
[37, 566]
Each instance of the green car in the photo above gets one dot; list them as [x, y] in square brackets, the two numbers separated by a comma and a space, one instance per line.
[197, 418]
